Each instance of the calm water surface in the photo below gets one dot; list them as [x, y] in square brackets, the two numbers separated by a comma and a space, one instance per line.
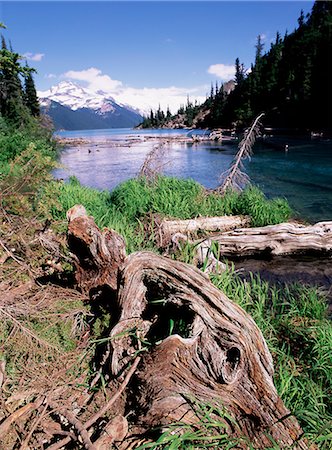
[303, 175]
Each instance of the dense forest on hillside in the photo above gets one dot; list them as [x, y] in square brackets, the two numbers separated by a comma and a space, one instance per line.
[22, 127]
[18, 97]
[291, 83]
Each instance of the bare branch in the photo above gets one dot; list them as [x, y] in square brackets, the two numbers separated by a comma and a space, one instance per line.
[235, 177]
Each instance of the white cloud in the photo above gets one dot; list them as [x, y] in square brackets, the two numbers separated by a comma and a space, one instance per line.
[222, 71]
[263, 37]
[34, 56]
[140, 98]
[50, 75]
[147, 98]
[95, 79]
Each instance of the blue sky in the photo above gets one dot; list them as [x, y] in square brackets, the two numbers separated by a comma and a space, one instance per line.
[156, 50]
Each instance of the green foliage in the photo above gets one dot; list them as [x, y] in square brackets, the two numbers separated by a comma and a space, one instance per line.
[31, 98]
[211, 432]
[21, 180]
[14, 141]
[294, 322]
[263, 212]
[290, 82]
[127, 207]
[159, 119]
[17, 105]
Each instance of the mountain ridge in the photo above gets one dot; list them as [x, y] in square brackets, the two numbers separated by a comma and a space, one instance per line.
[72, 107]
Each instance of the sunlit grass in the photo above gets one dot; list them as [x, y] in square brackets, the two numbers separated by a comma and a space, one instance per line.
[127, 208]
[294, 322]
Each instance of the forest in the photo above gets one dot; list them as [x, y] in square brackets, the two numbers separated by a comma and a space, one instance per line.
[290, 82]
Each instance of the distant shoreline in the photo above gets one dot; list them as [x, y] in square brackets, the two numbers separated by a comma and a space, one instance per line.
[129, 140]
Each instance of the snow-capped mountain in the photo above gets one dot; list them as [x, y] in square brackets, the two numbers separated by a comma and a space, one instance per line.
[73, 107]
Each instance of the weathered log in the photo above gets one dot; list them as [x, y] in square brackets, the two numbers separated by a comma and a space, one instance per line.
[165, 229]
[282, 239]
[216, 354]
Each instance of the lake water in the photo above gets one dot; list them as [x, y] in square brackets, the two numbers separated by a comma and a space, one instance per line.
[303, 174]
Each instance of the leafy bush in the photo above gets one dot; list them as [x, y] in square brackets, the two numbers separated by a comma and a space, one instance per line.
[14, 141]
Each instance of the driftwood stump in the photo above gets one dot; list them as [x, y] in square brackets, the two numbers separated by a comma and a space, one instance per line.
[215, 352]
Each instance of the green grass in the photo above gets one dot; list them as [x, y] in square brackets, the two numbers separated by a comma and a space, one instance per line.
[293, 320]
[132, 204]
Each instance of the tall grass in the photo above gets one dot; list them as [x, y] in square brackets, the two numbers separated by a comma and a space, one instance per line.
[130, 203]
[294, 322]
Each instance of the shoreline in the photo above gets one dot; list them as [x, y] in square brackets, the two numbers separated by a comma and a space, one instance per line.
[129, 140]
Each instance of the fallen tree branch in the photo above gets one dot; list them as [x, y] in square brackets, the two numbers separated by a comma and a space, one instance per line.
[166, 229]
[25, 443]
[78, 425]
[236, 178]
[84, 427]
[5, 425]
[282, 239]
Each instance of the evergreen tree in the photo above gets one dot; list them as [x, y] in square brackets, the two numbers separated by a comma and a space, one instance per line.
[31, 98]
[259, 49]
[12, 105]
[3, 42]
[239, 72]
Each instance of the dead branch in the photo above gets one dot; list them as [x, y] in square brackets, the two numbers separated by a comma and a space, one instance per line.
[154, 162]
[235, 178]
[26, 409]
[282, 239]
[102, 411]
[78, 425]
[25, 443]
[2, 372]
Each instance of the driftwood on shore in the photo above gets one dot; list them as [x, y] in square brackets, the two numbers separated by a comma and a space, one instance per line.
[166, 229]
[282, 239]
[215, 352]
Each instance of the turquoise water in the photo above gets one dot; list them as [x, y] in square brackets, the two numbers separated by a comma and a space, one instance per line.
[303, 174]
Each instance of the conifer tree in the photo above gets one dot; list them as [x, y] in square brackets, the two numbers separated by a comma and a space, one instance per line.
[31, 98]
[239, 72]
[11, 94]
[3, 42]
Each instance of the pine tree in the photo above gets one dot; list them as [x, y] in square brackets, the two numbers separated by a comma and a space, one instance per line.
[239, 72]
[259, 49]
[31, 98]
[12, 105]
[3, 42]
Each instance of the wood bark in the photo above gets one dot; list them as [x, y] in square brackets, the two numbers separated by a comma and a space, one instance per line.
[166, 229]
[282, 239]
[217, 355]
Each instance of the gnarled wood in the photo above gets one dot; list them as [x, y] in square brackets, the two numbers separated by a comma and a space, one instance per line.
[217, 354]
[98, 255]
[282, 239]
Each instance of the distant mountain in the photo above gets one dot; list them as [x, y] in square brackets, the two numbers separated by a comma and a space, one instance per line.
[72, 107]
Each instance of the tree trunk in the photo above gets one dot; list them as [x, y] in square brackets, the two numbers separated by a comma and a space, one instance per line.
[214, 352]
[282, 239]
